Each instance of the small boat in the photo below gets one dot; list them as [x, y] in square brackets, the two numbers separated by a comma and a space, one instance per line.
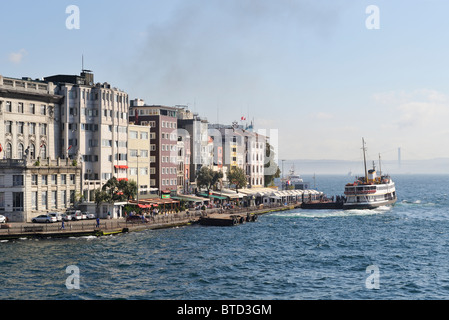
[371, 191]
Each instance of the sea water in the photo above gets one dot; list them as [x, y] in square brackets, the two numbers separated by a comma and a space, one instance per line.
[290, 255]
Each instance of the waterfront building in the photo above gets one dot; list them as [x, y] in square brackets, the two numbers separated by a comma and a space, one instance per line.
[164, 142]
[94, 128]
[201, 149]
[240, 148]
[139, 148]
[183, 164]
[33, 178]
[255, 159]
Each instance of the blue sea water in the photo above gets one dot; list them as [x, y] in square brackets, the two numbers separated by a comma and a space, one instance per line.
[290, 255]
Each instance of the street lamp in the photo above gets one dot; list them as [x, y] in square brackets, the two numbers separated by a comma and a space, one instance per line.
[138, 156]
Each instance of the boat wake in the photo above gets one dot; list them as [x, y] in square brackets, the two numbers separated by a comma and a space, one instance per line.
[304, 213]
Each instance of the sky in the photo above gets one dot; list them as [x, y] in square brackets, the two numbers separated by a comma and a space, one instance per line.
[308, 71]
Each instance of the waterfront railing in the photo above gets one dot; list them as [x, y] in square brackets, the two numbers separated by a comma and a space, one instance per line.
[113, 224]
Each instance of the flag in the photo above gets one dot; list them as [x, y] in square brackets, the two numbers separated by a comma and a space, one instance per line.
[69, 148]
[243, 118]
[1, 148]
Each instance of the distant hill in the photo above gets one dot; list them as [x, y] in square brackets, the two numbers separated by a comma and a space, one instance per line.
[431, 166]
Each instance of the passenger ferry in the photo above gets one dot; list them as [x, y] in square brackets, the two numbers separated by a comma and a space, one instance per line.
[371, 191]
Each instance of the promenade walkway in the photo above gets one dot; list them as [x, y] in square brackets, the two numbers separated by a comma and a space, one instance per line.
[116, 226]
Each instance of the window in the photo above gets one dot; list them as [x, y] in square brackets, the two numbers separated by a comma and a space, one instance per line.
[133, 134]
[63, 179]
[44, 200]
[53, 199]
[34, 197]
[54, 179]
[34, 180]
[8, 153]
[17, 180]
[17, 201]
[43, 109]
[133, 153]
[32, 128]
[43, 151]
[72, 179]
[8, 106]
[64, 198]
[32, 151]
[8, 126]
[133, 171]
[20, 127]
[144, 135]
[20, 107]
[32, 108]
[20, 151]
[144, 153]
[106, 176]
[44, 180]
[2, 201]
[43, 129]
[106, 143]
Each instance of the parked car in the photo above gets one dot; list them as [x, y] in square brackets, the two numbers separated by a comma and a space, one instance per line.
[66, 217]
[2, 219]
[90, 216]
[44, 218]
[84, 215]
[57, 215]
[76, 214]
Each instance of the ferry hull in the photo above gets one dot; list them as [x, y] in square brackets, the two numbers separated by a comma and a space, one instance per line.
[365, 205]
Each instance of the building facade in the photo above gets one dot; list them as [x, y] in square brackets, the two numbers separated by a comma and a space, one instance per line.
[94, 128]
[33, 178]
[163, 149]
[140, 169]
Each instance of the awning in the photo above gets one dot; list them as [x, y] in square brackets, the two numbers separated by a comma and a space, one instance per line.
[212, 196]
[119, 179]
[121, 167]
[189, 198]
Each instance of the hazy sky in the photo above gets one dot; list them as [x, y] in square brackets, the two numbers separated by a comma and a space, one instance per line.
[311, 70]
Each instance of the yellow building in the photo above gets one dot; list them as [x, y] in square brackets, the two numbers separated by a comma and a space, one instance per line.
[139, 157]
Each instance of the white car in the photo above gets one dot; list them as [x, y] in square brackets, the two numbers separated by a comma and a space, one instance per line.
[66, 217]
[2, 219]
[75, 214]
[90, 216]
[44, 218]
[57, 215]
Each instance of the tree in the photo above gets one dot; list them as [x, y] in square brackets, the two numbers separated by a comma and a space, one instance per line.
[101, 197]
[208, 178]
[271, 169]
[237, 177]
[128, 189]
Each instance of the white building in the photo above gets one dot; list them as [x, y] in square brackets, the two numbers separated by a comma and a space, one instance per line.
[33, 180]
[94, 128]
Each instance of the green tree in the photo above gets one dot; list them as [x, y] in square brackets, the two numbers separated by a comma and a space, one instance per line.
[128, 189]
[237, 177]
[271, 169]
[208, 178]
[101, 197]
